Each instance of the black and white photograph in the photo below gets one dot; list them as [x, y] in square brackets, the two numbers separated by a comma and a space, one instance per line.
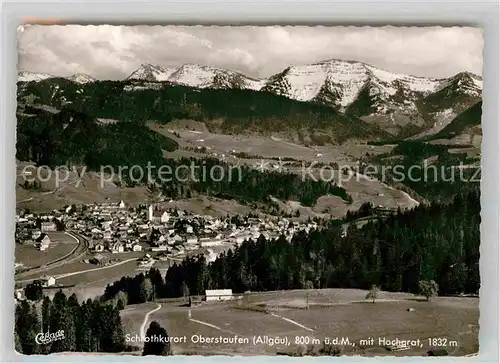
[248, 190]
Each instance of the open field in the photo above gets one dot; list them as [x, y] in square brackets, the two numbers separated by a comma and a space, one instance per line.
[80, 272]
[79, 188]
[263, 147]
[92, 284]
[332, 313]
[203, 205]
[60, 245]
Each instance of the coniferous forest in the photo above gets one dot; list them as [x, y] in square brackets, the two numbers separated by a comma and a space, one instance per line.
[437, 242]
[90, 326]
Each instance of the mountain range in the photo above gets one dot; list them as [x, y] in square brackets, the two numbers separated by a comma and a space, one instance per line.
[402, 105]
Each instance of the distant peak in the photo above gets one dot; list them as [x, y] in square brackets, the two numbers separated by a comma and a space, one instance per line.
[81, 78]
[27, 76]
[467, 74]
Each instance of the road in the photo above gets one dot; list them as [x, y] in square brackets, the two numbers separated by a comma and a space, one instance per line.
[144, 323]
[94, 269]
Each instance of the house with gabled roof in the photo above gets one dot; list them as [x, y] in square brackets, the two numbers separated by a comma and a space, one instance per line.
[43, 242]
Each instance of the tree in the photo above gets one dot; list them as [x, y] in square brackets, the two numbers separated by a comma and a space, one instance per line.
[428, 288]
[60, 226]
[121, 300]
[185, 290]
[66, 322]
[62, 318]
[46, 307]
[27, 326]
[34, 291]
[113, 338]
[146, 290]
[373, 293]
[119, 305]
[309, 286]
[17, 343]
[156, 341]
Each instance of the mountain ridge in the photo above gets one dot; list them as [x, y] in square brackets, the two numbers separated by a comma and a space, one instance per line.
[402, 104]
[143, 72]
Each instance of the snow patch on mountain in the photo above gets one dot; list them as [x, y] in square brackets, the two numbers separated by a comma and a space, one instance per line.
[194, 75]
[32, 76]
[254, 84]
[149, 72]
[304, 82]
[415, 84]
[81, 78]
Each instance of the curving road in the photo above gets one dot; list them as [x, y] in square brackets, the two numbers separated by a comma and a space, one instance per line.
[146, 318]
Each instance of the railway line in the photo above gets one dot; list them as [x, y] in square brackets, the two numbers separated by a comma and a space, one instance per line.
[75, 254]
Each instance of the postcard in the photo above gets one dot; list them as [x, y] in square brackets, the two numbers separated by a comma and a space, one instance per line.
[248, 190]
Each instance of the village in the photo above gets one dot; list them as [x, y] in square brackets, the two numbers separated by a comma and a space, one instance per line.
[150, 234]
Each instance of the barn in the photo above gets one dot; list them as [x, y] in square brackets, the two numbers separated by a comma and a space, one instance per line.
[218, 295]
[48, 281]
[100, 259]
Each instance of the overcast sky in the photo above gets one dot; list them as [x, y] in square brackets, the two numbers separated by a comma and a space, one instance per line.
[113, 52]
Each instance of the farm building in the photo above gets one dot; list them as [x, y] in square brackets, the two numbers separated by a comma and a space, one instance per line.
[48, 227]
[117, 247]
[159, 248]
[100, 259]
[207, 242]
[157, 216]
[218, 295]
[48, 281]
[192, 240]
[43, 242]
[19, 294]
[210, 255]
[163, 256]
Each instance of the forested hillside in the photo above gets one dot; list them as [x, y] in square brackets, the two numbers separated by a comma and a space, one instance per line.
[212, 177]
[462, 123]
[430, 170]
[71, 137]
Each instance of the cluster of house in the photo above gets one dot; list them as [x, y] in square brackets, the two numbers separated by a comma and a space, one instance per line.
[181, 234]
[114, 228]
[33, 229]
